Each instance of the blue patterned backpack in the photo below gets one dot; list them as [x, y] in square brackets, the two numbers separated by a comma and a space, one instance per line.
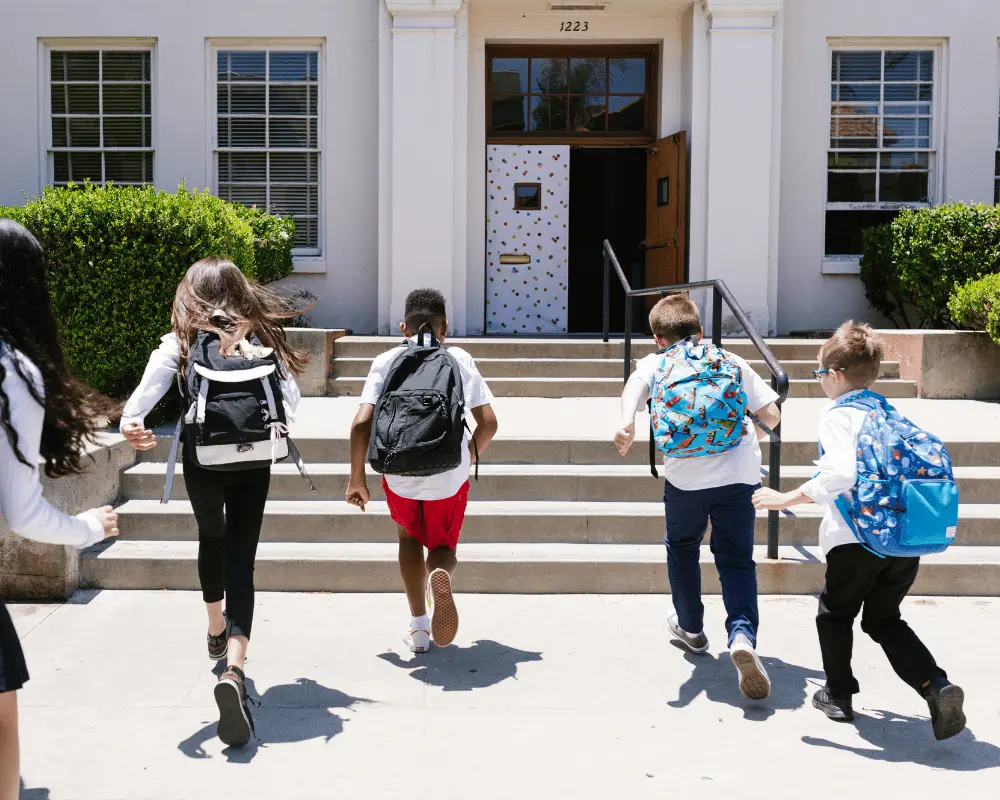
[905, 502]
[698, 405]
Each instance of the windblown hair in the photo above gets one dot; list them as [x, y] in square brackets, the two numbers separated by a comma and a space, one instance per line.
[215, 296]
[424, 307]
[73, 412]
[856, 351]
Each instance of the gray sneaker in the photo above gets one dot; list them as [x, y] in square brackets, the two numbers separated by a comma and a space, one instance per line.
[695, 642]
[754, 682]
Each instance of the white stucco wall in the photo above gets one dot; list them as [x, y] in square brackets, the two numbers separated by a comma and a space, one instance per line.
[967, 110]
[183, 71]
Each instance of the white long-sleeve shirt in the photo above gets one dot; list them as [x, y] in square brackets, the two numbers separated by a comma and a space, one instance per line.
[160, 374]
[837, 470]
[22, 506]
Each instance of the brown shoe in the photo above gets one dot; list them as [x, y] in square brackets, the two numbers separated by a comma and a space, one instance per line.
[441, 606]
[235, 722]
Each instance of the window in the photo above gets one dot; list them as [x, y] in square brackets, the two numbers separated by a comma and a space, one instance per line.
[102, 117]
[527, 196]
[268, 145]
[576, 92]
[881, 155]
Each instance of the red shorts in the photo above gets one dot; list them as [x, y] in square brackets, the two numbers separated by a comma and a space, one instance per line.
[433, 523]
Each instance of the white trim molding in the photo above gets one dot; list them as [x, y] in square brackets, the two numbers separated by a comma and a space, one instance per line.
[737, 15]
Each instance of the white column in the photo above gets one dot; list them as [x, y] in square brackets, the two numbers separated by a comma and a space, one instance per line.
[744, 68]
[420, 213]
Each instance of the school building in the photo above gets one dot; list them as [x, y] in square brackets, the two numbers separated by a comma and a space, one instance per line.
[487, 147]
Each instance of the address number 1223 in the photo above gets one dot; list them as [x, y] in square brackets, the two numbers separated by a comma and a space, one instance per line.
[573, 27]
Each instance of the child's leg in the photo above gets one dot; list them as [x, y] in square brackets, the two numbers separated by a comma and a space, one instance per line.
[245, 497]
[442, 558]
[686, 515]
[413, 570]
[851, 572]
[10, 753]
[881, 620]
[205, 492]
[733, 518]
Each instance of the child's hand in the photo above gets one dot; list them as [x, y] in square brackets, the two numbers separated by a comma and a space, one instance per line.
[357, 494]
[108, 518]
[771, 500]
[624, 439]
[140, 438]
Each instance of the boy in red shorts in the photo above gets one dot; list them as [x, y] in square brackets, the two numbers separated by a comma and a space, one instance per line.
[428, 510]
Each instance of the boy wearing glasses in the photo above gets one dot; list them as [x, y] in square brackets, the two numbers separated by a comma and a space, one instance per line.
[855, 576]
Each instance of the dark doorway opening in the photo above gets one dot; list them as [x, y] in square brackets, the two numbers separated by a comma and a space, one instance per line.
[607, 200]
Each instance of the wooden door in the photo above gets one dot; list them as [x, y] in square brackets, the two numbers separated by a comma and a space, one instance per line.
[666, 198]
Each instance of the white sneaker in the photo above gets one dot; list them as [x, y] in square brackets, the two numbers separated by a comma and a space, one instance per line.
[754, 682]
[418, 636]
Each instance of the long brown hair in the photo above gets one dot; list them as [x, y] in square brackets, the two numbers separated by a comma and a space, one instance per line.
[215, 284]
[74, 413]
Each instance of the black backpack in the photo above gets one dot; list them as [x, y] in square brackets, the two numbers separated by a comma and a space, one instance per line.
[419, 425]
[233, 417]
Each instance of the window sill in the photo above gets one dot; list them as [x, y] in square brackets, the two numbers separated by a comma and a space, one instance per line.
[309, 266]
[841, 265]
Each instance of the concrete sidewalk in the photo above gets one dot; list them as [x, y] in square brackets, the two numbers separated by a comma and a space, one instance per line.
[544, 696]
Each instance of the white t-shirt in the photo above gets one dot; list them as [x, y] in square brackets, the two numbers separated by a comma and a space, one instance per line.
[477, 393]
[739, 465]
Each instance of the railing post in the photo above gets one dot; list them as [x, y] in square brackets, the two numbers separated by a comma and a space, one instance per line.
[607, 295]
[716, 316]
[774, 482]
[628, 336]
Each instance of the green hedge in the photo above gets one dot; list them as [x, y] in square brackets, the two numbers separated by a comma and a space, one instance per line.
[976, 305]
[115, 257]
[880, 277]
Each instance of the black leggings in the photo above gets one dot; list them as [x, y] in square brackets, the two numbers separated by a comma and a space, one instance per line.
[229, 508]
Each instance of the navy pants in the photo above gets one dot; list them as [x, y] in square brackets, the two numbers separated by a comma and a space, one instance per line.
[732, 516]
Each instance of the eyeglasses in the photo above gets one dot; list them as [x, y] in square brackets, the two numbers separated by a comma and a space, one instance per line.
[818, 374]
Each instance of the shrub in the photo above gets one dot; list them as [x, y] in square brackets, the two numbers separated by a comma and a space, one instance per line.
[976, 305]
[273, 238]
[936, 249]
[115, 257]
[879, 275]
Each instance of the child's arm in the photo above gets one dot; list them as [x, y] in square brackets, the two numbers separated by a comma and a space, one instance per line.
[770, 415]
[634, 397]
[837, 469]
[361, 432]
[486, 427]
[156, 380]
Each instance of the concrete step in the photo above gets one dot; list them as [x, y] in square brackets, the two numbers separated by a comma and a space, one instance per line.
[495, 521]
[506, 568]
[607, 387]
[564, 482]
[577, 368]
[496, 347]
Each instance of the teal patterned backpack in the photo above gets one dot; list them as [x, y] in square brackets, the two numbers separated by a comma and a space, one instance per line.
[905, 502]
[698, 405]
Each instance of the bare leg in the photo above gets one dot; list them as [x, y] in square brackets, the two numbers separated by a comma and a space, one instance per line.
[10, 755]
[442, 558]
[413, 570]
[216, 620]
[237, 654]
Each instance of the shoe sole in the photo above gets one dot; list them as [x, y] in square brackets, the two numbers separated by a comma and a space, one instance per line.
[677, 633]
[754, 682]
[234, 726]
[836, 716]
[444, 622]
[219, 657]
[951, 718]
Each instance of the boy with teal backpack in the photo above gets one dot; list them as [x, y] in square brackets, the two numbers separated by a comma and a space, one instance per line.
[700, 396]
[891, 498]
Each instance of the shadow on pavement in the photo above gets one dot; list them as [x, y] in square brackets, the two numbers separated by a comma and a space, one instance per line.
[32, 794]
[288, 713]
[463, 669]
[718, 679]
[898, 738]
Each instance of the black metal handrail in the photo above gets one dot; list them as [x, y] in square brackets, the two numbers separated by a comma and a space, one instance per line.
[720, 295]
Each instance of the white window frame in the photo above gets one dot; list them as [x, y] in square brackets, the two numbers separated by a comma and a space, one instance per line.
[304, 261]
[46, 167]
[850, 264]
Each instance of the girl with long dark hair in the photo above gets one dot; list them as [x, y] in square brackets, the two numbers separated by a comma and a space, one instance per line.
[45, 416]
[216, 297]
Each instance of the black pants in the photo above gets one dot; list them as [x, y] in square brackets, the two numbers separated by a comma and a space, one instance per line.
[229, 508]
[857, 578]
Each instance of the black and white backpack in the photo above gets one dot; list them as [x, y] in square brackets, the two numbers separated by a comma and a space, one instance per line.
[233, 417]
[418, 428]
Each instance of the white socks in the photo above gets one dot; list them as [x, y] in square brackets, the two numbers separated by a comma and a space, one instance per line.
[420, 623]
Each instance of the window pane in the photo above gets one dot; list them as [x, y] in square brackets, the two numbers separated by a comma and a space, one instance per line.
[860, 66]
[628, 75]
[905, 127]
[510, 75]
[293, 200]
[548, 75]
[85, 132]
[854, 132]
[294, 167]
[906, 161]
[124, 66]
[125, 167]
[852, 161]
[548, 113]
[58, 66]
[60, 137]
[292, 67]
[83, 66]
[856, 92]
[60, 167]
[903, 187]
[245, 66]
[907, 109]
[243, 167]
[124, 132]
[855, 109]
[509, 113]
[627, 113]
[288, 133]
[246, 99]
[843, 229]
[306, 233]
[83, 98]
[850, 187]
[588, 75]
[248, 195]
[85, 166]
[58, 91]
[245, 133]
[909, 66]
[123, 99]
[290, 100]
[587, 113]
[908, 92]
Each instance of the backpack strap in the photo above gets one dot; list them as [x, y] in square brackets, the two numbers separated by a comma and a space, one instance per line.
[475, 445]
[652, 441]
[293, 451]
[168, 483]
